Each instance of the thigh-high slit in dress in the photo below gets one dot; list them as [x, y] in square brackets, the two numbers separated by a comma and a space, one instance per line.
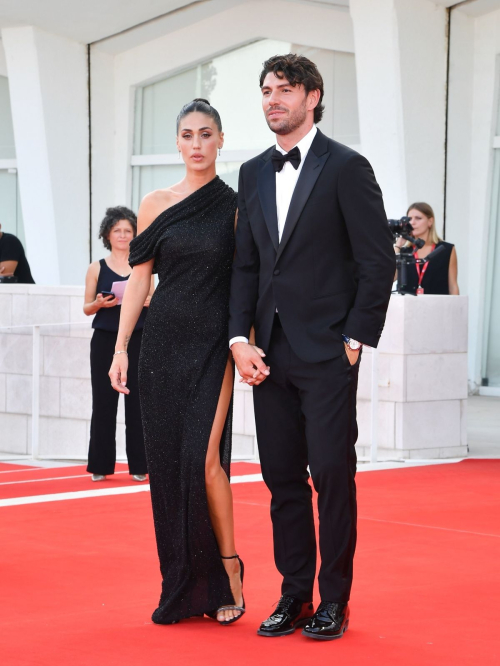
[181, 368]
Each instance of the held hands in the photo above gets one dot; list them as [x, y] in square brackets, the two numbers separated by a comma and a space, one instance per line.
[118, 373]
[105, 301]
[248, 359]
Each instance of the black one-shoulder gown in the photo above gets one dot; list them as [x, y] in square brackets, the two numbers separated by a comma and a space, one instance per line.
[182, 363]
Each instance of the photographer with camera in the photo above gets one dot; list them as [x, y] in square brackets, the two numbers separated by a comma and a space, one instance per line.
[439, 274]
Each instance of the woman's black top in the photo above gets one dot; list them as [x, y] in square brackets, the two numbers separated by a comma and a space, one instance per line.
[11, 249]
[435, 280]
[108, 319]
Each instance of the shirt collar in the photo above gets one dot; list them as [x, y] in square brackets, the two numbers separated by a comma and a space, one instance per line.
[303, 145]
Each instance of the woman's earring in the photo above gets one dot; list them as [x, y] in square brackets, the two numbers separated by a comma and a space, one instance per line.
[219, 152]
[179, 155]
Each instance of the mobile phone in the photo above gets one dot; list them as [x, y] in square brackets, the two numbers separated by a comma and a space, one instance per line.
[107, 293]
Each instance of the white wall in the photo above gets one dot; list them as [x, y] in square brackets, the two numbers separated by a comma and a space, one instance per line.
[401, 72]
[103, 141]
[475, 49]
[3, 62]
[48, 87]
[320, 26]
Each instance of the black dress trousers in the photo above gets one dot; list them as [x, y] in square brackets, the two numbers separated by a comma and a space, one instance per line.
[102, 448]
[306, 415]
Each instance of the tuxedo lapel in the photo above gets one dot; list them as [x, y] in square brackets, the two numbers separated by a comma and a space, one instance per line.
[313, 165]
[266, 187]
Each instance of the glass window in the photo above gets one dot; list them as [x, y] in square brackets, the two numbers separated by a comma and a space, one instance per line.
[231, 83]
[491, 345]
[10, 204]
[7, 147]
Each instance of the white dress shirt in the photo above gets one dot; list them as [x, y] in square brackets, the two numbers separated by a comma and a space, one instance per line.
[286, 180]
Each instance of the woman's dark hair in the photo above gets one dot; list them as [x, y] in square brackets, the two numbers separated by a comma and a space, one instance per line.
[203, 106]
[112, 217]
[296, 69]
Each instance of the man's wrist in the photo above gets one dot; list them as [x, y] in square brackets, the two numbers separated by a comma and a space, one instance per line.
[354, 345]
[238, 338]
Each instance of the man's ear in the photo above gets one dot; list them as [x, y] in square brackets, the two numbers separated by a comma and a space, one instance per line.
[313, 99]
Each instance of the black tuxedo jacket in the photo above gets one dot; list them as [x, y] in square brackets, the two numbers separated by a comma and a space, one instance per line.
[333, 270]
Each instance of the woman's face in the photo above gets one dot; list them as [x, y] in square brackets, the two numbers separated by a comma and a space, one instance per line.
[199, 140]
[121, 235]
[420, 222]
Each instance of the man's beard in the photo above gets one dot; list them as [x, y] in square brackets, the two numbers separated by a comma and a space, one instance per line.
[290, 123]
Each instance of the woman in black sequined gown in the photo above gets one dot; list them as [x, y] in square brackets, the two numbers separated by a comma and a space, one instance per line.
[186, 235]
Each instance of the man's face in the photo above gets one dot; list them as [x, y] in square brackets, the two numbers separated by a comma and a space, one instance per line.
[285, 106]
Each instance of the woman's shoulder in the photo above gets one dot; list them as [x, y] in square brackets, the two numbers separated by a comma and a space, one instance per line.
[447, 247]
[94, 268]
[152, 205]
[158, 197]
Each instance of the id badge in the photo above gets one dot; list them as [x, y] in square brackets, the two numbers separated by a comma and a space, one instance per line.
[420, 290]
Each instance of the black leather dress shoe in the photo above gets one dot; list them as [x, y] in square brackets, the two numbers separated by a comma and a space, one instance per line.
[289, 614]
[329, 622]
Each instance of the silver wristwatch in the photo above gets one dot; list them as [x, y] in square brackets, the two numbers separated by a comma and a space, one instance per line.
[352, 344]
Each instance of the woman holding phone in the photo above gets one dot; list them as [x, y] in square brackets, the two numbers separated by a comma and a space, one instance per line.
[118, 228]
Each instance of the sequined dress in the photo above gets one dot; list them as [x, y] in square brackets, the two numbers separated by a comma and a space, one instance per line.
[181, 367]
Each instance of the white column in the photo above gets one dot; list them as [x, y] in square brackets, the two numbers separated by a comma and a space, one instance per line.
[48, 88]
[400, 48]
[103, 144]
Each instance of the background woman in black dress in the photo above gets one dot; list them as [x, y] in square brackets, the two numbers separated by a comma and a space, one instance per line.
[118, 228]
[439, 276]
[186, 235]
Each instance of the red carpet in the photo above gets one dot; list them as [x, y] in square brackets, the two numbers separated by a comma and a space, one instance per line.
[79, 578]
[22, 480]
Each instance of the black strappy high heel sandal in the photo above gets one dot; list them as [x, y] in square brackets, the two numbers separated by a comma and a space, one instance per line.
[242, 608]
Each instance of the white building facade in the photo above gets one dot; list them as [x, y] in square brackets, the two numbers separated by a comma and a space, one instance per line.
[88, 102]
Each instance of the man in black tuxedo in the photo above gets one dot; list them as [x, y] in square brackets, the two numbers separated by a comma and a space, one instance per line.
[313, 272]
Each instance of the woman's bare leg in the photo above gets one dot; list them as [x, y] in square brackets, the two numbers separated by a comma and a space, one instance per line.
[219, 495]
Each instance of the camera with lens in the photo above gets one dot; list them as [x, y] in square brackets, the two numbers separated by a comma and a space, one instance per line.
[407, 254]
[400, 227]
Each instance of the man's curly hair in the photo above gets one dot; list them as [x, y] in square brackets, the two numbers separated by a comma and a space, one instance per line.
[112, 217]
[296, 69]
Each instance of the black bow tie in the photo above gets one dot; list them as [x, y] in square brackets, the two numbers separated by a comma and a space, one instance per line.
[278, 159]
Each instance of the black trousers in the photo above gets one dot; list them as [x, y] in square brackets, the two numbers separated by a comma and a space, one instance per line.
[306, 415]
[102, 447]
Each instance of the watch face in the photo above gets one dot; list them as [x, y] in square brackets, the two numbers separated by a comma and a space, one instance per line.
[354, 344]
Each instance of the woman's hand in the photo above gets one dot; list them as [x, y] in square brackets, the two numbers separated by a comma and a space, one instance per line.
[248, 359]
[118, 373]
[401, 242]
[105, 301]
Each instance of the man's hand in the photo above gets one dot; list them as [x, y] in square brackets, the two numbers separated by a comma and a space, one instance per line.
[352, 354]
[248, 359]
